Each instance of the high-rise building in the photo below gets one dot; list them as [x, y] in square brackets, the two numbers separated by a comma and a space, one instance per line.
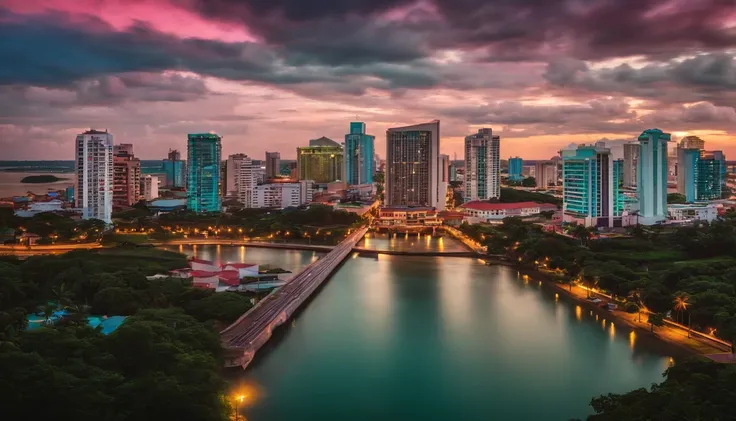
[273, 164]
[692, 142]
[618, 188]
[241, 178]
[651, 185]
[589, 191]
[174, 169]
[150, 187]
[126, 183]
[687, 172]
[516, 166]
[203, 175]
[321, 161]
[359, 155]
[482, 166]
[711, 175]
[545, 173]
[94, 167]
[412, 166]
[631, 162]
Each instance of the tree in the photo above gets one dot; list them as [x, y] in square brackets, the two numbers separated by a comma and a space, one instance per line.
[676, 198]
[655, 319]
[681, 302]
[529, 182]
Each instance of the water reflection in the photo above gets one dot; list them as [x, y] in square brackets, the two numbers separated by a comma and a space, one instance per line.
[406, 242]
[632, 340]
[578, 312]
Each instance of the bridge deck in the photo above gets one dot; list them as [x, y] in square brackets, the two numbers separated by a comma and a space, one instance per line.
[253, 329]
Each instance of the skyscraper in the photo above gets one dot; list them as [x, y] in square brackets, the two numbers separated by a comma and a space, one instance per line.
[174, 169]
[241, 178]
[711, 176]
[126, 184]
[359, 155]
[692, 142]
[589, 191]
[687, 172]
[203, 177]
[412, 166]
[321, 161]
[545, 173]
[94, 174]
[631, 162]
[273, 164]
[618, 188]
[651, 176]
[482, 166]
[516, 166]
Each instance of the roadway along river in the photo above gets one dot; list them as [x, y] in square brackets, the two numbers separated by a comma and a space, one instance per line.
[424, 338]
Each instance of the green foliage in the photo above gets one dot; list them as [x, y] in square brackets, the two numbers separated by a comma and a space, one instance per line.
[676, 198]
[693, 390]
[224, 307]
[509, 195]
[529, 182]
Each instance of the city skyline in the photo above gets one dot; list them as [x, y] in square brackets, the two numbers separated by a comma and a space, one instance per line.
[157, 70]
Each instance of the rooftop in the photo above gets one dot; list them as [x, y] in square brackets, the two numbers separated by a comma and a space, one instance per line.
[487, 206]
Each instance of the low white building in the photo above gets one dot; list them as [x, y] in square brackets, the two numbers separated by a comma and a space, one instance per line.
[692, 212]
[481, 212]
[282, 195]
[40, 207]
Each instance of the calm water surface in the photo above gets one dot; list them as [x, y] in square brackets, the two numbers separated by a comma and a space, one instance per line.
[403, 242]
[10, 184]
[423, 338]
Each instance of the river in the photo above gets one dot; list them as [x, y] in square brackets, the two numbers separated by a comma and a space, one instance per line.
[437, 338]
[10, 184]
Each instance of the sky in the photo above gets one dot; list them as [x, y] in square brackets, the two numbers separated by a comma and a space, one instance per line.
[272, 74]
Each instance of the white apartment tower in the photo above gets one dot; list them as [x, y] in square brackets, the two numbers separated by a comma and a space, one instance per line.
[94, 174]
[631, 163]
[651, 174]
[413, 166]
[482, 166]
[241, 178]
[150, 187]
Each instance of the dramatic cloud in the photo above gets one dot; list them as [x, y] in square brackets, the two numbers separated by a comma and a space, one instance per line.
[279, 72]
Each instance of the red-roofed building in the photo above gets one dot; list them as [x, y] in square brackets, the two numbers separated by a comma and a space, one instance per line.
[480, 212]
[205, 265]
[205, 279]
[243, 269]
[229, 277]
[452, 218]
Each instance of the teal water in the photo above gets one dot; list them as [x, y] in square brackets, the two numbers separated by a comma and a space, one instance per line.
[422, 338]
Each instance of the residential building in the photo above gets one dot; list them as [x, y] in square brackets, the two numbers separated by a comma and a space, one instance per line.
[412, 166]
[688, 168]
[631, 162]
[150, 187]
[359, 155]
[94, 178]
[321, 161]
[692, 212]
[711, 177]
[482, 166]
[203, 176]
[126, 184]
[259, 173]
[545, 173]
[516, 167]
[282, 195]
[273, 164]
[652, 176]
[175, 170]
[588, 185]
[444, 177]
[239, 176]
[478, 212]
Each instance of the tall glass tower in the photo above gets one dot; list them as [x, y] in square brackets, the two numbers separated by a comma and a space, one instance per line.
[651, 186]
[203, 175]
[516, 165]
[591, 185]
[482, 166]
[359, 164]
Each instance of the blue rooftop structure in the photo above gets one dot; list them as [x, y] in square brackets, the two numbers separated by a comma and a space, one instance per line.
[107, 325]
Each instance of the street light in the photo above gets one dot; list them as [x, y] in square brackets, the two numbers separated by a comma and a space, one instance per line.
[240, 399]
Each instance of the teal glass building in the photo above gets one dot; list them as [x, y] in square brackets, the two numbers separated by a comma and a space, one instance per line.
[618, 187]
[203, 176]
[710, 179]
[175, 170]
[515, 168]
[652, 171]
[688, 170]
[592, 186]
[359, 155]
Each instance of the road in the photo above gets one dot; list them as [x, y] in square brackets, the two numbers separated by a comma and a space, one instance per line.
[243, 338]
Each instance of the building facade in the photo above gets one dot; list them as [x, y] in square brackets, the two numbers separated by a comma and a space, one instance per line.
[273, 164]
[126, 184]
[482, 166]
[282, 195]
[516, 168]
[631, 162]
[150, 187]
[692, 212]
[711, 175]
[651, 185]
[412, 166]
[545, 173]
[359, 155]
[477, 212]
[588, 185]
[242, 178]
[688, 168]
[203, 176]
[94, 167]
[175, 170]
[321, 161]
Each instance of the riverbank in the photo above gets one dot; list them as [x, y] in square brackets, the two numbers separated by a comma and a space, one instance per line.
[670, 335]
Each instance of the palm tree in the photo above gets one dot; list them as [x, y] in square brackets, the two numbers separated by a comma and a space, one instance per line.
[48, 310]
[681, 303]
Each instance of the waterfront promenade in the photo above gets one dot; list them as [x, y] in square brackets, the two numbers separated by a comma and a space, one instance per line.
[253, 329]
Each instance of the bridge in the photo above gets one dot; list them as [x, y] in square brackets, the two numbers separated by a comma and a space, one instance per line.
[253, 329]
